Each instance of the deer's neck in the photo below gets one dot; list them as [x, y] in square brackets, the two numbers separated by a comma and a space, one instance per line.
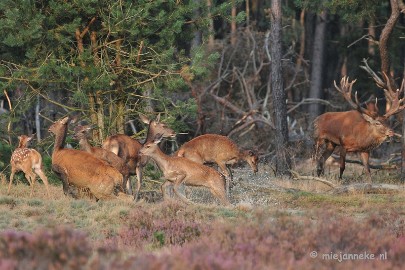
[85, 145]
[150, 133]
[60, 138]
[161, 159]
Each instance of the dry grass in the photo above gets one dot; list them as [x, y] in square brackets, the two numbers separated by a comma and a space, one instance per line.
[254, 197]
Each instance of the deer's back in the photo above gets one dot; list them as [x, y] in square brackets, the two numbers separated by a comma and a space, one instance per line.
[210, 147]
[123, 146]
[111, 158]
[83, 169]
[23, 155]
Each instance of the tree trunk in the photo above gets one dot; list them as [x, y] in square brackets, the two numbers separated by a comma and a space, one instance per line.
[371, 32]
[211, 25]
[283, 161]
[317, 65]
[403, 148]
[233, 23]
[100, 117]
[197, 40]
[38, 120]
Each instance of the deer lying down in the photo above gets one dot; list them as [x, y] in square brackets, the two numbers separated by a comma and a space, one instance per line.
[179, 170]
[218, 149]
[25, 159]
[127, 148]
[82, 169]
[81, 134]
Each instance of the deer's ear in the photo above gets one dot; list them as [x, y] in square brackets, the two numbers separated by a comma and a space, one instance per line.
[65, 120]
[158, 118]
[144, 118]
[158, 138]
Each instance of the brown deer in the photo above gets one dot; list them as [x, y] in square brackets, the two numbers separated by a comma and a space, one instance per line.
[179, 170]
[82, 169]
[27, 159]
[360, 130]
[81, 134]
[220, 150]
[127, 148]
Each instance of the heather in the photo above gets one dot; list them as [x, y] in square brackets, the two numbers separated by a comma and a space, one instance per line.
[63, 233]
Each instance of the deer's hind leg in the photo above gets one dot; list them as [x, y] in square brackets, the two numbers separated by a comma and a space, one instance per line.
[328, 148]
[220, 194]
[13, 171]
[44, 179]
[226, 171]
[179, 180]
[31, 179]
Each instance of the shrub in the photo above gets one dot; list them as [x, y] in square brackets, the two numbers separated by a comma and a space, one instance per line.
[167, 228]
[45, 249]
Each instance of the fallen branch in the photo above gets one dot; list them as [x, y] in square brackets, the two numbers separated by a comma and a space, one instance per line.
[367, 188]
[382, 166]
[297, 176]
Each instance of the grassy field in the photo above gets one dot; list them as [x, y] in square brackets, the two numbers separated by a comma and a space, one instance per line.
[303, 226]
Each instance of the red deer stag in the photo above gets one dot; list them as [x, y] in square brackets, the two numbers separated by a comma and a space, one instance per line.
[359, 130]
[127, 148]
[25, 159]
[219, 149]
[82, 133]
[179, 170]
[82, 169]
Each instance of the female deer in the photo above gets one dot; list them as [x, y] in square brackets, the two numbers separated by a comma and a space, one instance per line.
[178, 170]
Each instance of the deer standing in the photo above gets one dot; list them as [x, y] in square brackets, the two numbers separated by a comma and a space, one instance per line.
[80, 168]
[179, 170]
[220, 150]
[82, 133]
[360, 130]
[27, 159]
[127, 148]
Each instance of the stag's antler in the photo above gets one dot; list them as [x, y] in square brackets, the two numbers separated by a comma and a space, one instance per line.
[346, 90]
[397, 104]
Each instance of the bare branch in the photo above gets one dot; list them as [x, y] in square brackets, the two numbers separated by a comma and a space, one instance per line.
[297, 176]
[380, 83]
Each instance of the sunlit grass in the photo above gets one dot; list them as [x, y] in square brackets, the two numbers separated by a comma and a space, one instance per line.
[128, 228]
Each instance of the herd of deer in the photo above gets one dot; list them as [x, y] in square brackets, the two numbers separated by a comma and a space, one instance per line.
[106, 171]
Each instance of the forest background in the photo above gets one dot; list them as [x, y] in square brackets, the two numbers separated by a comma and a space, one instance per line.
[204, 65]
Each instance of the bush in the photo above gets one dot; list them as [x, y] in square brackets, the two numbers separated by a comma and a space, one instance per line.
[60, 248]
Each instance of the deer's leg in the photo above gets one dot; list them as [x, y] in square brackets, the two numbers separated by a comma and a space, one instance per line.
[11, 180]
[44, 179]
[124, 183]
[329, 147]
[63, 177]
[31, 179]
[342, 161]
[365, 159]
[138, 182]
[163, 187]
[218, 190]
[228, 175]
[176, 184]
